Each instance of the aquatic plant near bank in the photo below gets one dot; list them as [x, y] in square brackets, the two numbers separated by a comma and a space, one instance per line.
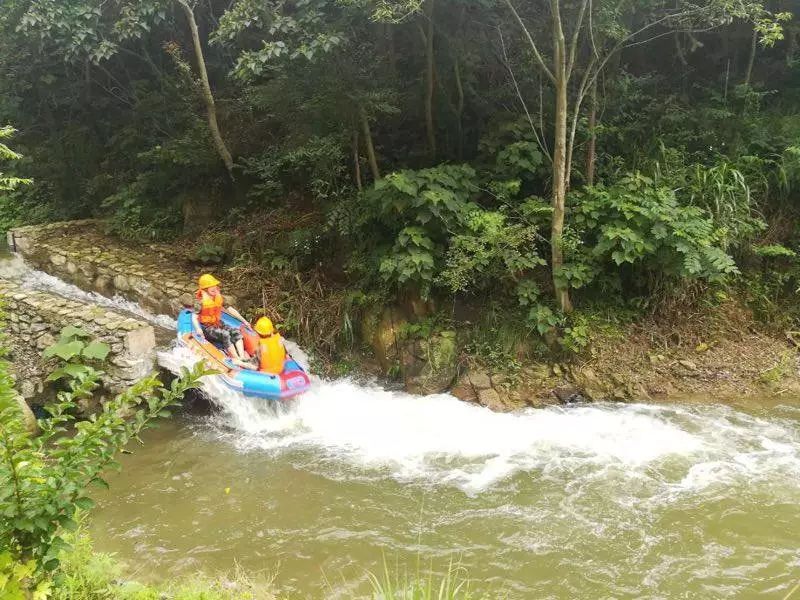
[402, 584]
[45, 479]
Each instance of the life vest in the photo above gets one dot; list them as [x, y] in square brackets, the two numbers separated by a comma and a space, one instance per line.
[272, 354]
[210, 309]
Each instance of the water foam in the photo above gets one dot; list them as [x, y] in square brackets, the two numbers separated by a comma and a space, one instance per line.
[439, 438]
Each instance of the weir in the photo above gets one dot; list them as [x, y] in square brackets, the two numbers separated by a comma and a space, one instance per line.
[34, 319]
[75, 252]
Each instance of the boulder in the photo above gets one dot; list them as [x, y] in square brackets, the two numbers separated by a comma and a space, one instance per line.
[480, 380]
[491, 400]
[568, 394]
[430, 366]
[463, 390]
[27, 415]
[380, 329]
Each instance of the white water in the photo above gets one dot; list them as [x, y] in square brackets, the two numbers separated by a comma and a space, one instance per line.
[17, 270]
[443, 440]
[604, 500]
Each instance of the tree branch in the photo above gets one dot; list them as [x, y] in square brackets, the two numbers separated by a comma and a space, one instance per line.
[532, 43]
[576, 34]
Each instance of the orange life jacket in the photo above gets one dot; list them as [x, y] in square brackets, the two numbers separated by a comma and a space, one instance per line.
[272, 354]
[210, 309]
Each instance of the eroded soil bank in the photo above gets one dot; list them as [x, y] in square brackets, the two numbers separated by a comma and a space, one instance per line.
[719, 350]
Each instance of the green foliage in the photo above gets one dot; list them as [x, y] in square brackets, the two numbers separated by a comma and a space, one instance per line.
[490, 250]
[315, 167]
[9, 183]
[639, 223]
[774, 251]
[85, 574]
[45, 480]
[285, 32]
[418, 209]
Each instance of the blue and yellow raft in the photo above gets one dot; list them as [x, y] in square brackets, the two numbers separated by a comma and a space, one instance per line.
[291, 382]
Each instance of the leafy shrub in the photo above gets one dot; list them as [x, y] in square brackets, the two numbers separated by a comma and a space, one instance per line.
[137, 212]
[490, 250]
[316, 167]
[44, 480]
[639, 223]
[418, 210]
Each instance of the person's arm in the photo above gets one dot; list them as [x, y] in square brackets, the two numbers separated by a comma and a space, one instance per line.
[236, 313]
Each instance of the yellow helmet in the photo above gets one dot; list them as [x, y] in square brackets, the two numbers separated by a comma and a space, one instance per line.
[264, 326]
[206, 281]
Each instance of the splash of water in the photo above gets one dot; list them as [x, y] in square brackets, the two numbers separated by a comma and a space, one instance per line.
[439, 438]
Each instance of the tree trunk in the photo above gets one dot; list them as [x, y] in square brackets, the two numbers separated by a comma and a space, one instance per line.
[208, 97]
[560, 174]
[752, 59]
[429, 79]
[459, 108]
[592, 145]
[373, 161]
[357, 162]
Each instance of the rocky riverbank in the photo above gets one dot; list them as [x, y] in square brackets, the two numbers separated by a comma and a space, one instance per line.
[723, 353]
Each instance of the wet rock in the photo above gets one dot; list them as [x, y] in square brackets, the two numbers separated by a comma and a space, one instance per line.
[568, 394]
[121, 283]
[58, 260]
[463, 390]
[430, 366]
[499, 380]
[588, 381]
[480, 380]
[490, 398]
[380, 328]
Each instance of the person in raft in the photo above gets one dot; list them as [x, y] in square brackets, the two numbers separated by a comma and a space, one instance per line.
[271, 351]
[210, 318]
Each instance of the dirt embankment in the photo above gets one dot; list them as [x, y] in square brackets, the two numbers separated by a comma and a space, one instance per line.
[717, 353]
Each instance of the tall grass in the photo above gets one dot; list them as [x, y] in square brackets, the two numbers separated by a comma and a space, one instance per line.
[419, 584]
[89, 575]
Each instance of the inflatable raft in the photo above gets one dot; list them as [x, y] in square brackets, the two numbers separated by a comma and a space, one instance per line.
[291, 382]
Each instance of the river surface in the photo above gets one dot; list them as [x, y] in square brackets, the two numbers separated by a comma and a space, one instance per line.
[589, 501]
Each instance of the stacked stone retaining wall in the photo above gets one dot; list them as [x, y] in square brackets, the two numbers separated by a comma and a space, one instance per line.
[34, 320]
[78, 252]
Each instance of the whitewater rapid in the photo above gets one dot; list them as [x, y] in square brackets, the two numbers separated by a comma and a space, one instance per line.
[443, 440]
[440, 439]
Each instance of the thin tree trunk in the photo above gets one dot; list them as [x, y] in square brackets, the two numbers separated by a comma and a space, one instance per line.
[592, 145]
[429, 79]
[391, 51]
[371, 158]
[357, 162]
[559, 160]
[208, 97]
[752, 59]
[459, 107]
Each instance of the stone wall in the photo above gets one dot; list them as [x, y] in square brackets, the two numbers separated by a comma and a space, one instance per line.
[35, 318]
[79, 252]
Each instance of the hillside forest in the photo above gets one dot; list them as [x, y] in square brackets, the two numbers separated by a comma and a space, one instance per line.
[519, 167]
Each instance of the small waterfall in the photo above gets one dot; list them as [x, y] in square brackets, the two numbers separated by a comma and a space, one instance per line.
[16, 269]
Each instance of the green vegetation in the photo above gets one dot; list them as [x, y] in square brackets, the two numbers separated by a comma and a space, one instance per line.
[448, 156]
[46, 479]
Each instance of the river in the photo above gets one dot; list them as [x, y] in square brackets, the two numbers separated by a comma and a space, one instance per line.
[588, 501]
